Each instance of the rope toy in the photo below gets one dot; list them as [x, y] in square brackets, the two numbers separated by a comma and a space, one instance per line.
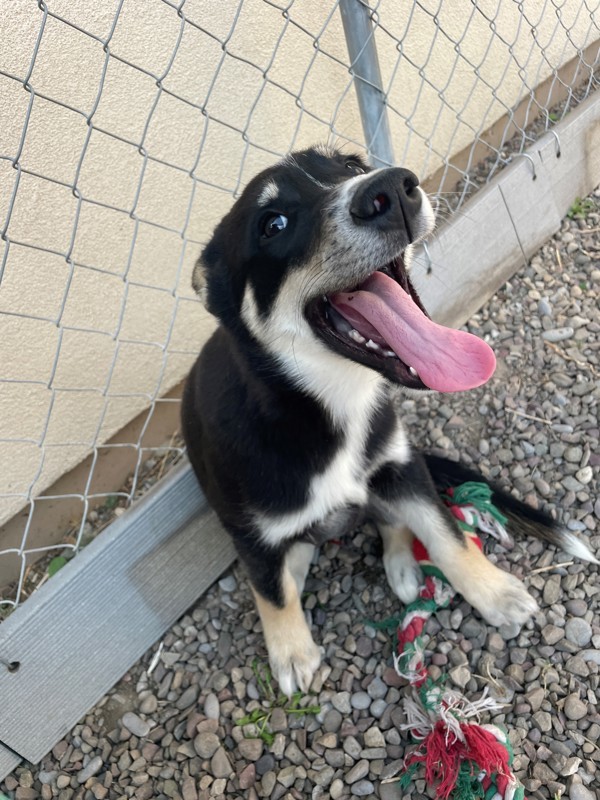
[463, 759]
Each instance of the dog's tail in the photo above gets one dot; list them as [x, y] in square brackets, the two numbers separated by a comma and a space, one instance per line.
[524, 519]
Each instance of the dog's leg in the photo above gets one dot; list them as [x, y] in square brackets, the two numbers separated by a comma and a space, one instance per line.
[277, 580]
[298, 559]
[407, 497]
[401, 569]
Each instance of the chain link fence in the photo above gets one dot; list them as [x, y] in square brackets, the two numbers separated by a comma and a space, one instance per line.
[128, 127]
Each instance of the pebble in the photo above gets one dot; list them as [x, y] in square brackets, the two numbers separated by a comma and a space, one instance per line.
[220, 766]
[578, 631]
[558, 334]
[363, 789]
[578, 608]
[332, 721]
[341, 702]
[543, 721]
[136, 725]
[149, 704]
[357, 772]
[228, 584]
[585, 475]
[460, 676]
[188, 698]
[211, 706]
[93, 768]
[360, 700]
[551, 634]
[580, 792]
[374, 738]
[251, 749]
[575, 708]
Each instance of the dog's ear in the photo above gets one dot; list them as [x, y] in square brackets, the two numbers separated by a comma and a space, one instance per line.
[212, 278]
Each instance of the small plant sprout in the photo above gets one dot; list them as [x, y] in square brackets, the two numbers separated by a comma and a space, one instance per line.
[260, 717]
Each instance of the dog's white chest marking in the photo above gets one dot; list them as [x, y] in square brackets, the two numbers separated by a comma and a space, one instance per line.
[345, 479]
[349, 392]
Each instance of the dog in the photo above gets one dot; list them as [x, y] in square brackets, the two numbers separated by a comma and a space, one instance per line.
[288, 414]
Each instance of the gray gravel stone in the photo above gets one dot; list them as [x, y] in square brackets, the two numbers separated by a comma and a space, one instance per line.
[580, 792]
[543, 721]
[377, 689]
[92, 768]
[211, 706]
[357, 772]
[341, 702]
[188, 698]
[206, 744]
[578, 631]
[558, 334]
[220, 766]
[576, 607]
[251, 749]
[149, 704]
[374, 738]
[360, 700]
[228, 583]
[332, 721]
[575, 708]
[363, 789]
[591, 655]
[136, 725]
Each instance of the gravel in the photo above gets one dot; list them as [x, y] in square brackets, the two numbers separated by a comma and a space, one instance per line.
[534, 428]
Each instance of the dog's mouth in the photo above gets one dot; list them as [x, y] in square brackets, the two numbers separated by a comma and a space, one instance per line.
[382, 323]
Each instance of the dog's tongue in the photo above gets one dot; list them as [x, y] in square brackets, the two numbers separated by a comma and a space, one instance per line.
[447, 360]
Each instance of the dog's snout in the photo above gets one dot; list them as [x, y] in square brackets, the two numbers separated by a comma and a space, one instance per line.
[389, 200]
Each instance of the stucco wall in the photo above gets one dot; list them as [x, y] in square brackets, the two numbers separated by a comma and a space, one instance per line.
[112, 175]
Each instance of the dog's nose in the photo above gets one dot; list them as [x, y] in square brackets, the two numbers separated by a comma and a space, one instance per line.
[388, 201]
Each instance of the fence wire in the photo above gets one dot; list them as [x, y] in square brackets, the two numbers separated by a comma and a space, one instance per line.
[127, 130]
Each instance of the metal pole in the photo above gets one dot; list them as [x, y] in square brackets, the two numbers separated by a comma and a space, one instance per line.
[364, 66]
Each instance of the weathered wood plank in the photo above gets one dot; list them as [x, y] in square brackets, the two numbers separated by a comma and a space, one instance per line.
[9, 761]
[82, 630]
[466, 265]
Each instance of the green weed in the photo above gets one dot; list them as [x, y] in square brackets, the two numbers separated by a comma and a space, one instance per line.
[260, 717]
[581, 208]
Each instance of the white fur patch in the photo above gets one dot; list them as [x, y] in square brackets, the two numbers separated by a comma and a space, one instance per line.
[268, 193]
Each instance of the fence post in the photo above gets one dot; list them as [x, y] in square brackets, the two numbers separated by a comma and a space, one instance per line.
[364, 66]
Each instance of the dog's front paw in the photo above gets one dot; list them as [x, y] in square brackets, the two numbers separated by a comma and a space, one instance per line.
[403, 574]
[502, 599]
[294, 663]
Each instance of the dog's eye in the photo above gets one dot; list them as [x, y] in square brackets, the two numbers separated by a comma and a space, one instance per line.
[355, 167]
[274, 225]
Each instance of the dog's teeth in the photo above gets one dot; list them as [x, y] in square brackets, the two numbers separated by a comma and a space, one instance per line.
[355, 335]
[413, 371]
[372, 345]
[389, 354]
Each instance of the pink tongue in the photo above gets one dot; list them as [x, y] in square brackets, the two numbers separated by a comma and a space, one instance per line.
[446, 360]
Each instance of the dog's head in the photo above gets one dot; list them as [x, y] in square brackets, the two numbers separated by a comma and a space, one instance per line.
[312, 261]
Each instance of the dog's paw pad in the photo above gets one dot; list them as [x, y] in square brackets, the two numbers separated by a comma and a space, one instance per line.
[403, 574]
[294, 666]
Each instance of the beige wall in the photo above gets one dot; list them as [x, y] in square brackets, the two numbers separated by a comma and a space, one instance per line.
[105, 219]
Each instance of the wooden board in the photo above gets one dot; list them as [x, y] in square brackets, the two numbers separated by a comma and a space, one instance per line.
[8, 761]
[505, 223]
[82, 630]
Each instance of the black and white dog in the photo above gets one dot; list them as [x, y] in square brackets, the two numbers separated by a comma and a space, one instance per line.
[288, 413]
